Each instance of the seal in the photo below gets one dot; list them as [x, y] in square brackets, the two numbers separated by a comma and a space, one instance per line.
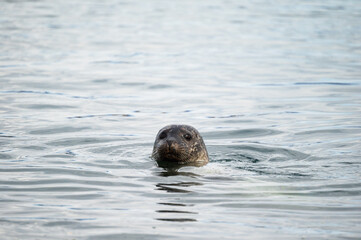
[181, 145]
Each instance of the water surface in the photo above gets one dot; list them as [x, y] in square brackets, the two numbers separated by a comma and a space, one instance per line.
[273, 87]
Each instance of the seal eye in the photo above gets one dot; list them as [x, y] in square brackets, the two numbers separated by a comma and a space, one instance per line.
[187, 136]
[162, 135]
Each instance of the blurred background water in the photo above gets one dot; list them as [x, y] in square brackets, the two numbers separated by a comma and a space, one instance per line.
[273, 86]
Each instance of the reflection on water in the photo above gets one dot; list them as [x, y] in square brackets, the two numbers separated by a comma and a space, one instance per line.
[173, 214]
[273, 87]
[177, 219]
[172, 187]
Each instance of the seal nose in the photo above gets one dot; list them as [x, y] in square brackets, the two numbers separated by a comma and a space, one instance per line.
[171, 145]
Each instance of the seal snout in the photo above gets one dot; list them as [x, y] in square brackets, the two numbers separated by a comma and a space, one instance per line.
[172, 145]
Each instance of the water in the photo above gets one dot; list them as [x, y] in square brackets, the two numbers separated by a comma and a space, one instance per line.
[273, 87]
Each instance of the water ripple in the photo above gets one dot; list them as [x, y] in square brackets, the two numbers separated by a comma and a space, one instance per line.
[57, 171]
[244, 133]
[273, 87]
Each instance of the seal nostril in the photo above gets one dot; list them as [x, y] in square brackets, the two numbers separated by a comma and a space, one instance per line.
[170, 143]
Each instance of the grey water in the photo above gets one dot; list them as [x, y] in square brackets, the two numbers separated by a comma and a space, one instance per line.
[274, 87]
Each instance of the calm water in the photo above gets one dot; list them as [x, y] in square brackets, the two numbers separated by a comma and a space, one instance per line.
[273, 86]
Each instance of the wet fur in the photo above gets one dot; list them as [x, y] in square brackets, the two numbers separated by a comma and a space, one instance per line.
[174, 148]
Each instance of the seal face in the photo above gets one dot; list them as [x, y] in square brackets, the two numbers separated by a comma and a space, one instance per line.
[180, 144]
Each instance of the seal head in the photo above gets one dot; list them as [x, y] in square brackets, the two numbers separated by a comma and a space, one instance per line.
[180, 144]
